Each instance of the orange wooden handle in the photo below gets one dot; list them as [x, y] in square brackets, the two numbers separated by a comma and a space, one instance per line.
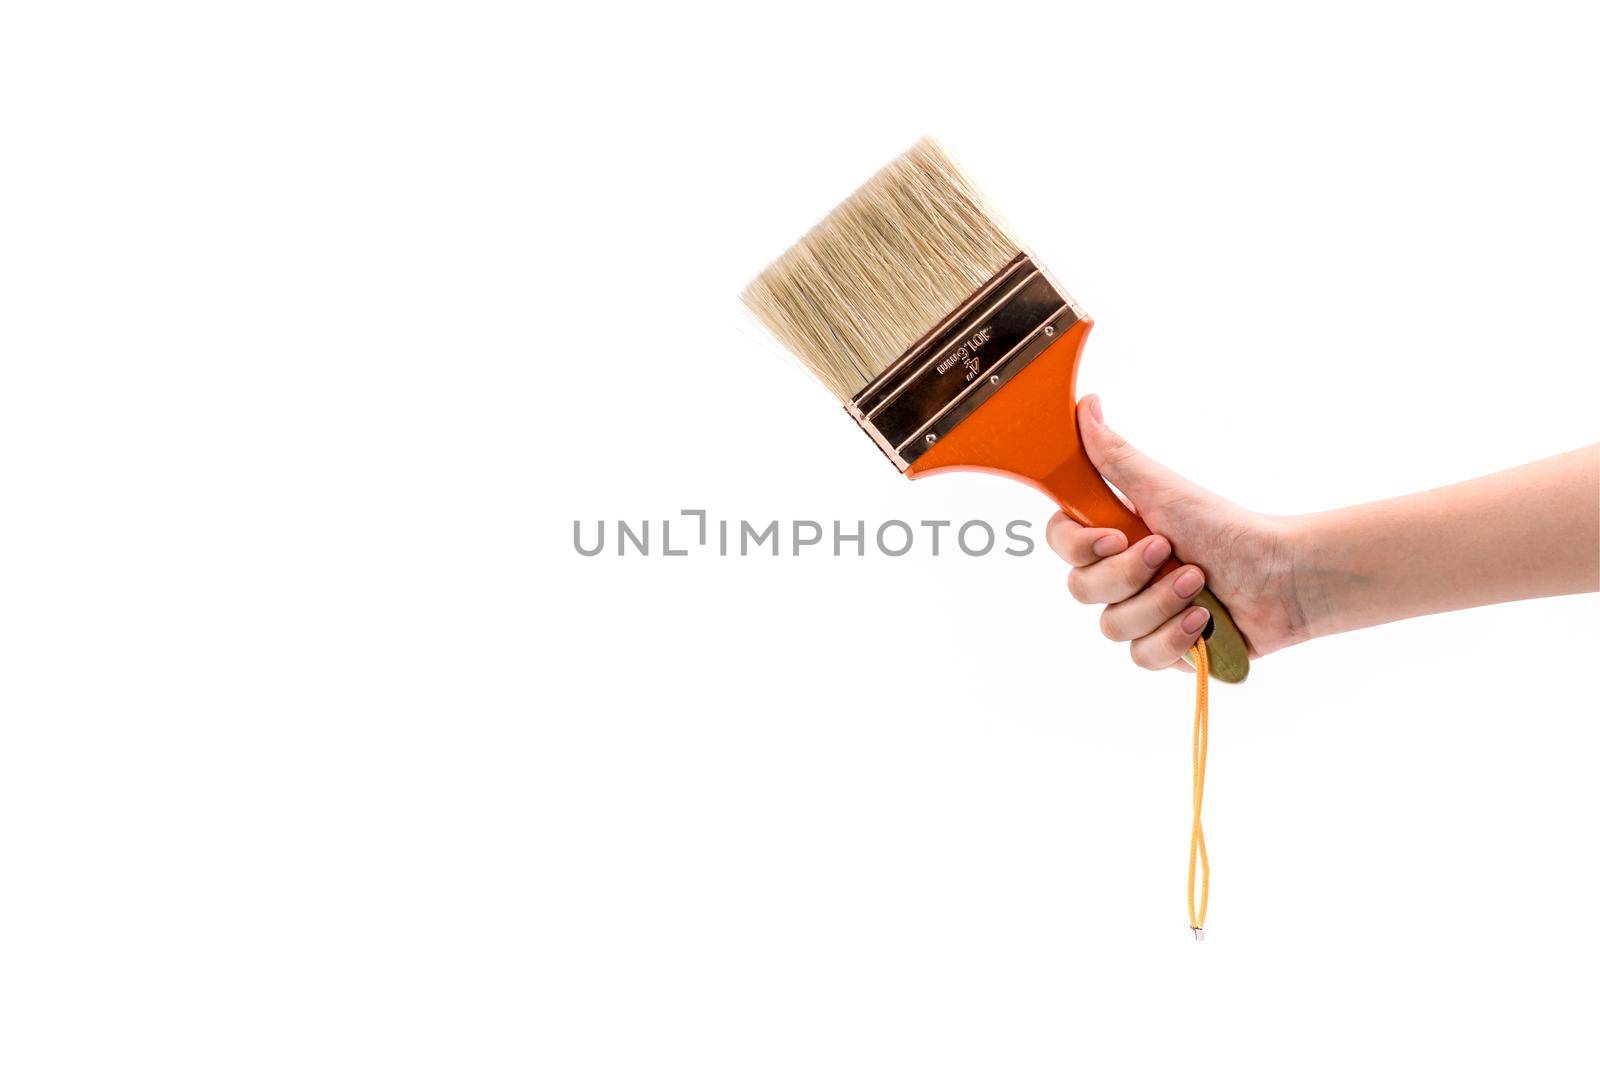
[1028, 431]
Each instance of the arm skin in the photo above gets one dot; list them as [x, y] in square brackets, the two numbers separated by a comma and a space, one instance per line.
[1532, 531]
[1527, 532]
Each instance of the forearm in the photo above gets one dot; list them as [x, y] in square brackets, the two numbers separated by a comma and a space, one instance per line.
[1528, 532]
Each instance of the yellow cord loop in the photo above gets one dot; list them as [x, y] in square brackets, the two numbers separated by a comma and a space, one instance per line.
[1197, 835]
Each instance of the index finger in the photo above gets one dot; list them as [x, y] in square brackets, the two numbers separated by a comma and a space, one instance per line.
[1082, 545]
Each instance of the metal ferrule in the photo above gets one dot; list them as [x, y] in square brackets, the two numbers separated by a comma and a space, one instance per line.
[963, 361]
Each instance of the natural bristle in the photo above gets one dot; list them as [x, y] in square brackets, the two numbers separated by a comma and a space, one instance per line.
[884, 267]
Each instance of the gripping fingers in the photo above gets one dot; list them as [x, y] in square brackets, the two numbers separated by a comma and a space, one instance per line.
[1142, 614]
[1167, 645]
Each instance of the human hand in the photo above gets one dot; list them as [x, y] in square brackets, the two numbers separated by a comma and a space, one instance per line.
[1247, 559]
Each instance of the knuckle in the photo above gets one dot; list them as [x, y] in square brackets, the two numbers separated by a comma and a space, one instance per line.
[1144, 656]
[1077, 549]
[1069, 545]
[1060, 520]
[1109, 627]
[1076, 585]
[1115, 446]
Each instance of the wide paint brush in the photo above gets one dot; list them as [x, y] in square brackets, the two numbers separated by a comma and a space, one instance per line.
[951, 346]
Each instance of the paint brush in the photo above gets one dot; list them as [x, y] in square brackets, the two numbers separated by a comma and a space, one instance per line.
[950, 345]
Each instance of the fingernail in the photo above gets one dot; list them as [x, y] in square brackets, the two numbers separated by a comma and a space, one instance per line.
[1091, 406]
[1189, 582]
[1156, 551]
[1108, 544]
[1195, 621]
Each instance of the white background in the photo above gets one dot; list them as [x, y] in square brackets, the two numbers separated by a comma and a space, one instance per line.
[322, 323]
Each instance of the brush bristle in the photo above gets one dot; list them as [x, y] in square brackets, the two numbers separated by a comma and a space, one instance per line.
[884, 267]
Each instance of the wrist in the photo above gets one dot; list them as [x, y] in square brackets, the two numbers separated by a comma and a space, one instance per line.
[1319, 573]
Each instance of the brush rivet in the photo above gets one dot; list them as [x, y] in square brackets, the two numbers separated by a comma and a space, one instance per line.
[1049, 331]
[994, 379]
[931, 438]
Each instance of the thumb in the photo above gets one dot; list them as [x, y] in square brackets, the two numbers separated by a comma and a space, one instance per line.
[1133, 472]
